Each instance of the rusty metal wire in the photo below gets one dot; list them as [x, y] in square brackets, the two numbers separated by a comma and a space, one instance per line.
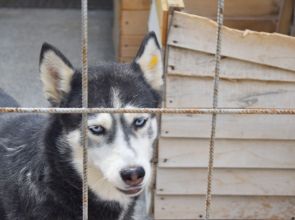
[220, 9]
[84, 139]
[84, 110]
[258, 111]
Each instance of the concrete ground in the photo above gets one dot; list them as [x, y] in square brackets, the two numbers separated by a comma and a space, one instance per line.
[22, 32]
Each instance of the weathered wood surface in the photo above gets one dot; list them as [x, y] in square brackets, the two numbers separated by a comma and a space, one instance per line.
[184, 62]
[116, 27]
[225, 207]
[246, 182]
[254, 154]
[233, 8]
[131, 40]
[125, 59]
[177, 4]
[134, 22]
[265, 25]
[129, 51]
[162, 12]
[135, 4]
[273, 127]
[285, 20]
[186, 92]
[193, 152]
[199, 33]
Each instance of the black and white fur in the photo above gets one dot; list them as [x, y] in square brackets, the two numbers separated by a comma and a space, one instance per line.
[41, 156]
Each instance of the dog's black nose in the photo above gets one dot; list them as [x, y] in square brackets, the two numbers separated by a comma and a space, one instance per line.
[133, 176]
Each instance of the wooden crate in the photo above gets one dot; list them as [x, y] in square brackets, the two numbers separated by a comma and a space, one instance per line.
[130, 26]
[259, 15]
[254, 154]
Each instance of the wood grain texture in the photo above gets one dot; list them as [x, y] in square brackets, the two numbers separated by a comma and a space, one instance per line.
[130, 45]
[187, 92]
[129, 51]
[178, 4]
[199, 33]
[184, 62]
[233, 7]
[131, 40]
[227, 182]
[285, 19]
[274, 127]
[135, 4]
[267, 25]
[234, 207]
[134, 22]
[162, 12]
[117, 28]
[193, 152]
[125, 59]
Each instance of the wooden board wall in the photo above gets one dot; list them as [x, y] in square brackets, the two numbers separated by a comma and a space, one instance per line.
[262, 15]
[254, 154]
[225, 207]
[130, 27]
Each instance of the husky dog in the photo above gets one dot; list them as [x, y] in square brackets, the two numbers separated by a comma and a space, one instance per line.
[41, 156]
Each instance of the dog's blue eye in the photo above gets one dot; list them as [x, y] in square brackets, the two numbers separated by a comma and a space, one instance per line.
[139, 122]
[97, 129]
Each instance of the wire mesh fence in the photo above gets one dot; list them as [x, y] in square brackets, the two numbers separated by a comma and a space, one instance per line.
[84, 110]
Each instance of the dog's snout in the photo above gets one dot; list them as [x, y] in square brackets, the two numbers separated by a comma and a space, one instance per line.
[133, 176]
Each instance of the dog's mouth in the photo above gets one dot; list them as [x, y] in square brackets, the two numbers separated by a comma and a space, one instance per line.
[132, 191]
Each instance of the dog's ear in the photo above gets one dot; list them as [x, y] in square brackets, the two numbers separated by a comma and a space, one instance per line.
[149, 59]
[56, 73]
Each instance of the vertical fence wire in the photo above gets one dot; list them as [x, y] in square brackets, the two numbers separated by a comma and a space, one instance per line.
[220, 10]
[84, 139]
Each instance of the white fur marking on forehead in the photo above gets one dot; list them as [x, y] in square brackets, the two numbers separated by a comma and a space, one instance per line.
[103, 119]
[116, 98]
[56, 75]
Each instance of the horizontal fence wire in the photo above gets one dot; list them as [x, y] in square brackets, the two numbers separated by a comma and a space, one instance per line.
[267, 111]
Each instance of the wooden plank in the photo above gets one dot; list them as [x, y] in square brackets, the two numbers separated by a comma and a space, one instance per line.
[285, 20]
[234, 207]
[162, 8]
[135, 4]
[272, 127]
[116, 28]
[185, 62]
[128, 51]
[233, 7]
[187, 92]
[130, 45]
[162, 11]
[134, 22]
[254, 25]
[131, 40]
[199, 33]
[192, 152]
[125, 59]
[246, 182]
[177, 4]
